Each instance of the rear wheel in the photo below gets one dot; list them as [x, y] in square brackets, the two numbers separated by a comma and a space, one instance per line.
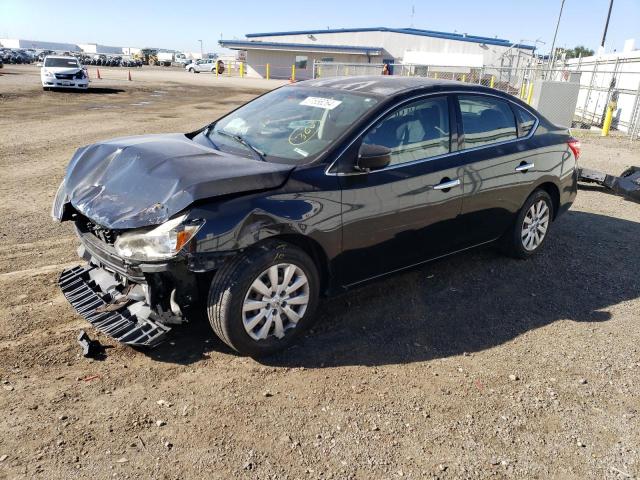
[261, 300]
[531, 228]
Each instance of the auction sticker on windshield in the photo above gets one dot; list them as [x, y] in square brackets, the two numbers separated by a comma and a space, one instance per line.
[319, 102]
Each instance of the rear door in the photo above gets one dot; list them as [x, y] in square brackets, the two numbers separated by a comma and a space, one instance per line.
[405, 213]
[499, 167]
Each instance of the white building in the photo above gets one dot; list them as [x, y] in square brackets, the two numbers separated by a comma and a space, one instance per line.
[605, 77]
[374, 45]
[97, 48]
[38, 45]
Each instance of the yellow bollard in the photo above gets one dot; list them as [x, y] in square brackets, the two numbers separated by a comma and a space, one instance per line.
[492, 81]
[217, 69]
[522, 90]
[606, 126]
[530, 94]
[464, 77]
[241, 69]
[318, 74]
[435, 75]
[346, 71]
[293, 72]
[268, 68]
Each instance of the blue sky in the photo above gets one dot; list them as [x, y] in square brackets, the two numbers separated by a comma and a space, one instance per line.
[179, 25]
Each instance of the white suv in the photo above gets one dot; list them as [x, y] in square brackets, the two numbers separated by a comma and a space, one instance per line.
[63, 72]
[205, 65]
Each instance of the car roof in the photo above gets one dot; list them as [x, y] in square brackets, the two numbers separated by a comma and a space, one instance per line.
[382, 85]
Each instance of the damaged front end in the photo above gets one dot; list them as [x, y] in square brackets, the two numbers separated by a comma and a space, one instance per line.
[136, 283]
[119, 311]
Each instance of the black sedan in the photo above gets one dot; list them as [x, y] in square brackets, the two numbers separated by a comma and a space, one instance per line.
[306, 191]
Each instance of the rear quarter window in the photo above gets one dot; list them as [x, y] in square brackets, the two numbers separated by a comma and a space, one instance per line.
[526, 121]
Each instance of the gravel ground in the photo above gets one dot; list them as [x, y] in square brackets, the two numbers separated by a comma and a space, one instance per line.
[475, 366]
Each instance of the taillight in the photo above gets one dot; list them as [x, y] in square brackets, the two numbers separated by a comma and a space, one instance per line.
[574, 145]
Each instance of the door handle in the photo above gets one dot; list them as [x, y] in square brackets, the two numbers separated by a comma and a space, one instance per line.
[447, 185]
[524, 167]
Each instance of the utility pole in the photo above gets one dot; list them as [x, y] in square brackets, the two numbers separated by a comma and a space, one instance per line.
[553, 44]
[606, 25]
[201, 52]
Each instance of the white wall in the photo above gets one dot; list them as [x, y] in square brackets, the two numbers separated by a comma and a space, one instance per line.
[594, 88]
[21, 43]
[280, 62]
[395, 44]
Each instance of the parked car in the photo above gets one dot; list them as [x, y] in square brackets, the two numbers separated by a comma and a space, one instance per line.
[306, 191]
[63, 72]
[205, 65]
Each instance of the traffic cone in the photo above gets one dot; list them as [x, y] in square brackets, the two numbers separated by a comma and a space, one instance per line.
[98, 73]
[129, 75]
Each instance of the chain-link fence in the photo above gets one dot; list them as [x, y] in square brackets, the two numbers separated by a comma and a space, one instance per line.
[596, 87]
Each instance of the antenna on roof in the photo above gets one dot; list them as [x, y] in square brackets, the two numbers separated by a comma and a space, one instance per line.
[413, 12]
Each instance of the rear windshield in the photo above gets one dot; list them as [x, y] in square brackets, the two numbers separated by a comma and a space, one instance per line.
[61, 62]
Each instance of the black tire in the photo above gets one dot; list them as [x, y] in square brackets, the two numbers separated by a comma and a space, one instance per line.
[231, 283]
[512, 242]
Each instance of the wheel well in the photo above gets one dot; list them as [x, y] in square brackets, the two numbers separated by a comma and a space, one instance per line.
[554, 193]
[314, 250]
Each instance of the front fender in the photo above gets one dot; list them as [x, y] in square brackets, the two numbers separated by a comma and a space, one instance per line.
[237, 224]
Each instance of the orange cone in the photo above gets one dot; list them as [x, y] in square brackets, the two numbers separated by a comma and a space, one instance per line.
[129, 75]
[98, 73]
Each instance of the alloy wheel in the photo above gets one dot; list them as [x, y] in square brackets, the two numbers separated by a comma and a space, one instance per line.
[275, 302]
[535, 225]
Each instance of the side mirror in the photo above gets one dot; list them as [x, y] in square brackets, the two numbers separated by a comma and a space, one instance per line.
[372, 157]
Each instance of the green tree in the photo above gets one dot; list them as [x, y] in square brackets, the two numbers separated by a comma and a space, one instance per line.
[579, 51]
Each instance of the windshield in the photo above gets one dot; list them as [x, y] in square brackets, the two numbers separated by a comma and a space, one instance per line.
[61, 62]
[291, 124]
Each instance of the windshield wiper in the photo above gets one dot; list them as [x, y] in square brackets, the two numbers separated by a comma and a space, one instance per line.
[240, 139]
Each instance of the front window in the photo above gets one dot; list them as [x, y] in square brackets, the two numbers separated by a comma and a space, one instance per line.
[416, 131]
[61, 62]
[301, 62]
[291, 124]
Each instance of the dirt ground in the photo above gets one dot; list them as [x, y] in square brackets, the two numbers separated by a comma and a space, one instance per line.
[472, 367]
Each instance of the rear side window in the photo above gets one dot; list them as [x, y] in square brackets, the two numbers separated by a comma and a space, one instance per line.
[526, 120]
[416, 131]
[486, 120]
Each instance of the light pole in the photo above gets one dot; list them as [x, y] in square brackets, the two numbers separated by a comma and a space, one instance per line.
[606, 26]
[201, 52]
[553, 44]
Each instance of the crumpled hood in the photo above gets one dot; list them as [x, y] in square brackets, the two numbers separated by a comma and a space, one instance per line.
[140, 181]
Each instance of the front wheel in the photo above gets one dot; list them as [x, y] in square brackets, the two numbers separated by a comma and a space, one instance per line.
[531, 228]
[261, 300]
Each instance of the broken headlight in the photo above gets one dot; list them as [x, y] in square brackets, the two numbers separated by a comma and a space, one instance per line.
[160, 243]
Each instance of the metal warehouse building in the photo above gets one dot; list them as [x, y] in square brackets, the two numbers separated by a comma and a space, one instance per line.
[376, 45]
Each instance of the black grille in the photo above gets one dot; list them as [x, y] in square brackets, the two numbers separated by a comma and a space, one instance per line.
[106, 235]
[64, 76]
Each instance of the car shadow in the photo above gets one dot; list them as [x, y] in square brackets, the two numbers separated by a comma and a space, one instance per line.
[89, 91]
[466, 303]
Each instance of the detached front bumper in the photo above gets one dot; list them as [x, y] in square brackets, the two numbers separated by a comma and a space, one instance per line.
[112, 308]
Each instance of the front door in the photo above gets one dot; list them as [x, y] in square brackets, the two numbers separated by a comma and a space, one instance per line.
[406, 212]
